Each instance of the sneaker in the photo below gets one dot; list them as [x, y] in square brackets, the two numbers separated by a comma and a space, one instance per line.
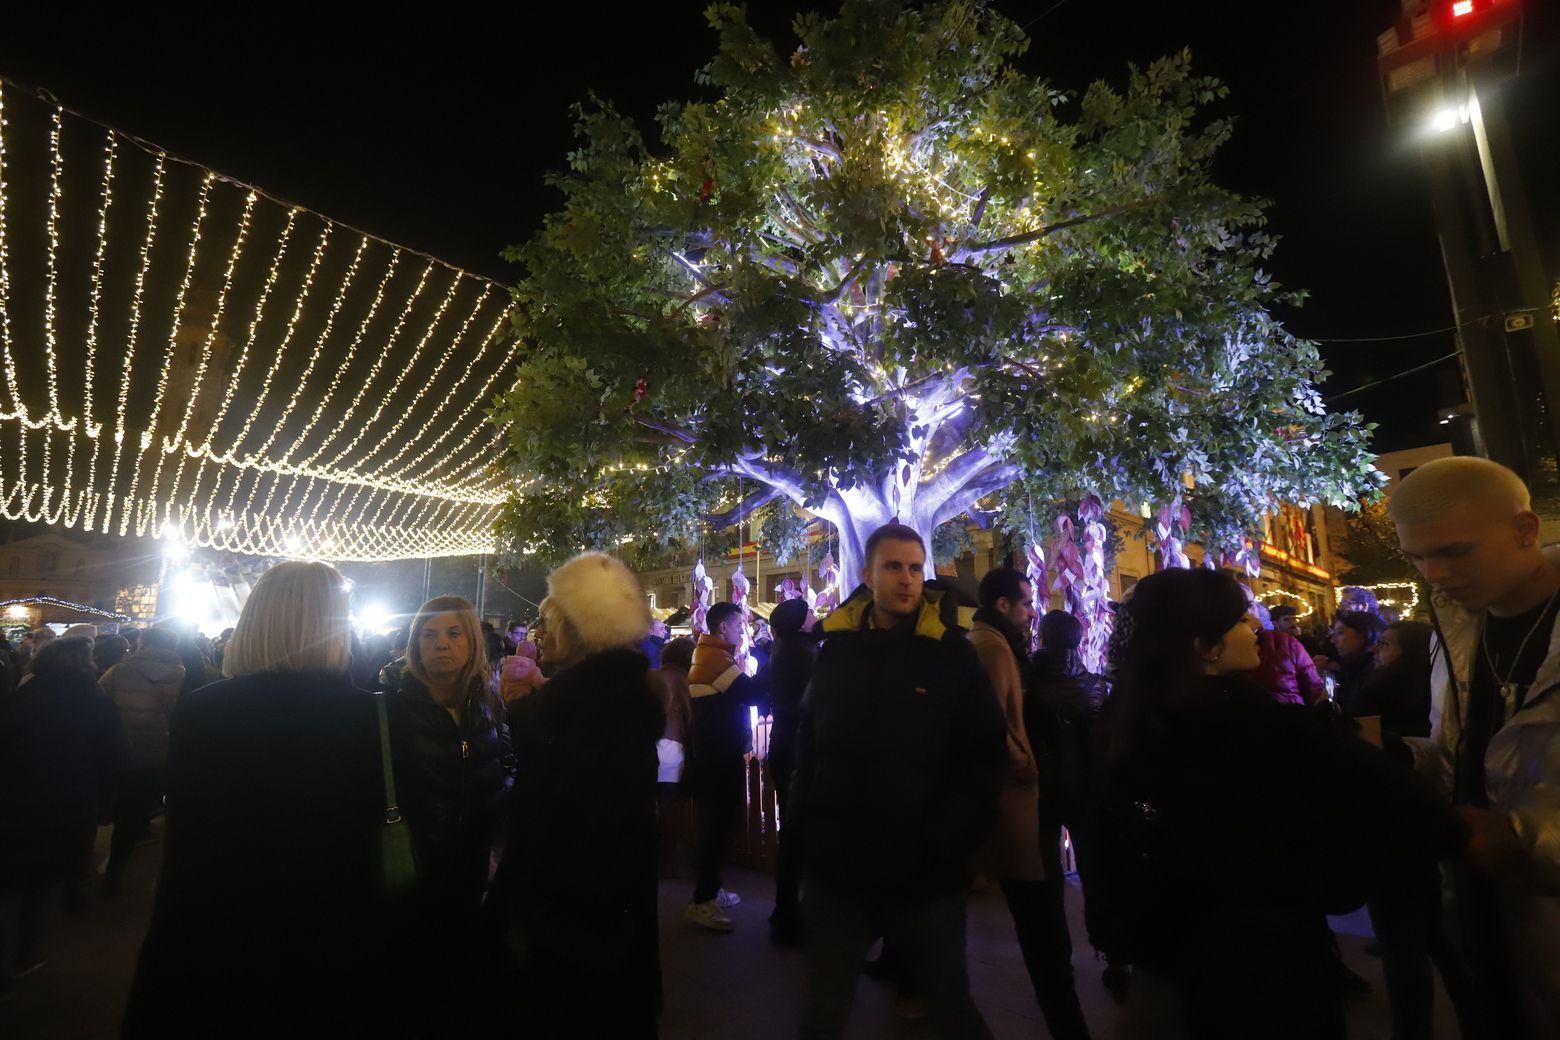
[707, 915]
[726, 900]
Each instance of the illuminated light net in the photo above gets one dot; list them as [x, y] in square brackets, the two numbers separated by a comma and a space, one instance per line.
[186, 357]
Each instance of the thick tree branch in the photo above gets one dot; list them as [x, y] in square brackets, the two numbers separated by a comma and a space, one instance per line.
[823, 148]
[692, 268]
[783, 479]
[1013, 241]
[807, 224]
[676, 433]
[762, 497]
[833, 296]
[714, 292]
[934, 385]
[989, 481]
[980, 207]
[951, 482]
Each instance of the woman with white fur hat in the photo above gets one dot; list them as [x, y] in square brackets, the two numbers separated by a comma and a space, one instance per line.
[575, 894]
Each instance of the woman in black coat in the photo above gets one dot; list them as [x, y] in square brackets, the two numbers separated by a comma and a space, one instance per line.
[266, 921]
[453, 766]
[60, 746]
[790, 666]
[1233, 825]
[574, 901]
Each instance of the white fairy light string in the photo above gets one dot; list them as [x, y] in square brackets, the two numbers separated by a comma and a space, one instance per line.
[240, 438]
[1403, 595]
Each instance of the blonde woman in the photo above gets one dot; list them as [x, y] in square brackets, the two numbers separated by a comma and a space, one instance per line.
[575, 894]
[265, 922]
[453, 768]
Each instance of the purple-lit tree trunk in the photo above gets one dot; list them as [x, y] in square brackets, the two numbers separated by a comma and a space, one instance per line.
[923, 491]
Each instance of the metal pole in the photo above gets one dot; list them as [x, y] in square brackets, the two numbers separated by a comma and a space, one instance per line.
[427, 578]
[481, 585]
[1495, 413]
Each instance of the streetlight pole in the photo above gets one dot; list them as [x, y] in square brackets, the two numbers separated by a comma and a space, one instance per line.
[1445, 66]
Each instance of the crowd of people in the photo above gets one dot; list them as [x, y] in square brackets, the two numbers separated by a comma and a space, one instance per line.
[459, 829]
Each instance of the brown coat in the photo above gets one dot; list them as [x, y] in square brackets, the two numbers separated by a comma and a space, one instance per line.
[671, 689]
[1013, 850]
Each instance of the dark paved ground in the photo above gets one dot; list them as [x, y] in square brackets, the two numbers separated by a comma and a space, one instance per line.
[717, 986]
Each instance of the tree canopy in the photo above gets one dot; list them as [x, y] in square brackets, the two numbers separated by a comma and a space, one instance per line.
[887, 274]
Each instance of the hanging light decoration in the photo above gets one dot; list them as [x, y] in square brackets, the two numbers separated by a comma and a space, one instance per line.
[318, 391]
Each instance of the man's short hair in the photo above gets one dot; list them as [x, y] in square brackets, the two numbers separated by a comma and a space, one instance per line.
[1437, 487]
[1001, 582]
[721, 613]
[892, 533]
[1060, 630]
[678, 653]
[1278, 613]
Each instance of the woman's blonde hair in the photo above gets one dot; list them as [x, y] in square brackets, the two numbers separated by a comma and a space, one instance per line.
[476, 666]
[297, 619]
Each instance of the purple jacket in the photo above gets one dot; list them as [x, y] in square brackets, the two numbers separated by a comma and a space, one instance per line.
[1287, 671]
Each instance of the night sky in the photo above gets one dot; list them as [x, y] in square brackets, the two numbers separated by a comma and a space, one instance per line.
[434, 130]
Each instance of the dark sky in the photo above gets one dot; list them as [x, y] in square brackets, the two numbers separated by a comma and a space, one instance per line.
[434, 129]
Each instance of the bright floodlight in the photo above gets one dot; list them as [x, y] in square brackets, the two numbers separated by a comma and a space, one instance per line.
[174, 549]
[373, 617]
[1444, 120]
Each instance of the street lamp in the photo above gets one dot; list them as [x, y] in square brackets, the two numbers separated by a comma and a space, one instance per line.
[1445, 66]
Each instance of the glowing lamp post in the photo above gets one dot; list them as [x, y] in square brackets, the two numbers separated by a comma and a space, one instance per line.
[1445, 66]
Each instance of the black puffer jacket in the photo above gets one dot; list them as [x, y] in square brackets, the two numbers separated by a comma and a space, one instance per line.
[901, 755]
[452, 780]
[790, 670]
[60, 746]
[575, 896]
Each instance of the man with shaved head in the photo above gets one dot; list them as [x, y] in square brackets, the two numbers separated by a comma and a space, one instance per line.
[1469, 527]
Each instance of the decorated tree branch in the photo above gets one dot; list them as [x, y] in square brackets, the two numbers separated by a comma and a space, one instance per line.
[888, 276]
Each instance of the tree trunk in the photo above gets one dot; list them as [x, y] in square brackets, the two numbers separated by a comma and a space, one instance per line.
[856, 513]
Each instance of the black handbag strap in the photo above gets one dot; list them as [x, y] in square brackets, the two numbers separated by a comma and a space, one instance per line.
[392, 807]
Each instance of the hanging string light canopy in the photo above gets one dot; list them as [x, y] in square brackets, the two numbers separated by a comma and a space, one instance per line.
[187, 357]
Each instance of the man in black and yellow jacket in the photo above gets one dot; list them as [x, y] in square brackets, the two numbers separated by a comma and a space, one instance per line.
[900, 759]
[721, 692]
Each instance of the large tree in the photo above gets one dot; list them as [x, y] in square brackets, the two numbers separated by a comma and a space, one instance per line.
[889, 275]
